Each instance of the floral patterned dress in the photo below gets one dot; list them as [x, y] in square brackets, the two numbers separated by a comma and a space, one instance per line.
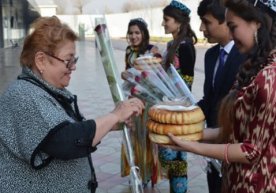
[184, 62]
[133, 53]
[142, 147]
[255, 130]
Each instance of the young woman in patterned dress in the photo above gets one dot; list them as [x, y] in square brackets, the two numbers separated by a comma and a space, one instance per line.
[139, 43]
[138, 39]
[247, 140]
[181, 53]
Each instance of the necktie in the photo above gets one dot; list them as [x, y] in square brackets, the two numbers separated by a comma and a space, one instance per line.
[218, 74]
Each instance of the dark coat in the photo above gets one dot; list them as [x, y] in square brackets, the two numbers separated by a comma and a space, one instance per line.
[212, 98]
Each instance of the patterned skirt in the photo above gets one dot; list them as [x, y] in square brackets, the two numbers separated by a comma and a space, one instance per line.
[174, 167]
[145, 153]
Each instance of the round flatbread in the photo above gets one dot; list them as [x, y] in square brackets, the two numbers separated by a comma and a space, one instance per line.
[190, 116]
[142, 63]
[164, 139]
[161, 128]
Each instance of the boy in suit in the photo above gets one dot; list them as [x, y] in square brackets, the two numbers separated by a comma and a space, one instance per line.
[221, 66]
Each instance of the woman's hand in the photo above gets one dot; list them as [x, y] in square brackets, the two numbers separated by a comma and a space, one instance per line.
[126, 74]
[180, 145]
[124, 110]
[216, 151]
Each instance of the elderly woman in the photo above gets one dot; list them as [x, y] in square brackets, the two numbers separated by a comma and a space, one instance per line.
[45, 143]
[139, 44]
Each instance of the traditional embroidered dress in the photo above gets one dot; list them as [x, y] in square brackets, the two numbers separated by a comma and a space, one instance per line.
[184, 61]
[132, 53]
[255, 129]
[174, 163]
[143, 148]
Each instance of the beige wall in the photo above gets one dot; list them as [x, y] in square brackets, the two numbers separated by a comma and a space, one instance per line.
[117, 23]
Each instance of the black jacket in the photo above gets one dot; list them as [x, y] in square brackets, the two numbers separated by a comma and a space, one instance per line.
[212, 98]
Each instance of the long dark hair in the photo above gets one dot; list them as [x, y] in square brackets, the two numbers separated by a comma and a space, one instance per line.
[145, 33]
[256, 59]
[185, 32]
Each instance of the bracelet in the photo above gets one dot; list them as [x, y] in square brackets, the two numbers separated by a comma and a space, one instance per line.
[226, 153]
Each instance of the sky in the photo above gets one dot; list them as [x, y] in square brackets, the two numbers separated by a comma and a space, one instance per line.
[92, 7]
[118, 5]
[104, 6]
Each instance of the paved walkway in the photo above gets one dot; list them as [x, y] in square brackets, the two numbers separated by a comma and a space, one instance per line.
[89, 82]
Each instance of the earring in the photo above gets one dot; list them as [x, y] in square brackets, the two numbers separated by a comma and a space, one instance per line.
[41, 71]
[178, 29]
[256, 37]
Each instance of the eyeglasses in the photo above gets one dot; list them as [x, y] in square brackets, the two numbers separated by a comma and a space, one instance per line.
[68, 63]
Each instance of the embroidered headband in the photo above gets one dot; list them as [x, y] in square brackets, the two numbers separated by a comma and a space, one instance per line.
[139, 19]
[181, 6]
[266, 5]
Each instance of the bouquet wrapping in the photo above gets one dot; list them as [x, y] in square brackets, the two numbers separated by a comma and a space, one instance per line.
[151, 83]
[110, 67]
[156, 83]
[181, 86]
[160, 72]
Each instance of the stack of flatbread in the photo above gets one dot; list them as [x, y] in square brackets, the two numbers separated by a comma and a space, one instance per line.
[186, 123]
[141, 62]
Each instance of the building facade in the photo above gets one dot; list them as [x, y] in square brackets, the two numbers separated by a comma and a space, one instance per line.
[15, 19]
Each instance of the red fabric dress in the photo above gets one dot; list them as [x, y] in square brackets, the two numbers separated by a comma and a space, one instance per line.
[255, 129]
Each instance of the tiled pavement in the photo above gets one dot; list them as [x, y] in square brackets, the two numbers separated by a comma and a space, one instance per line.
[89, 83]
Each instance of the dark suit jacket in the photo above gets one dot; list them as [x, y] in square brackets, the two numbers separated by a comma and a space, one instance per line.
[212, 98]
